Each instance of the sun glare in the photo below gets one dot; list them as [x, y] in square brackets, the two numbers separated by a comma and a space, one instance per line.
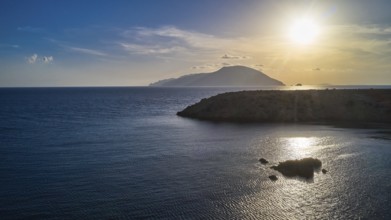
[304, 31]
[301, 142]
[301, 146]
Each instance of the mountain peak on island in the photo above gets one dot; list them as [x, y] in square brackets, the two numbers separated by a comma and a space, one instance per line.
[238, 67]
[235, 76]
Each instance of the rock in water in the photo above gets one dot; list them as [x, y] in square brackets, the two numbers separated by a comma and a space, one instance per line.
[263, 161]
[324, 171]
[273, 177]
[302, 168]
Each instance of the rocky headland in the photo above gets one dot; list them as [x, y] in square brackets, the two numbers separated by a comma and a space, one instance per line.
[326, 106]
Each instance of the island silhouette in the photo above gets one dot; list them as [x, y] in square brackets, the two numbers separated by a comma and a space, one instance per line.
[231, 76]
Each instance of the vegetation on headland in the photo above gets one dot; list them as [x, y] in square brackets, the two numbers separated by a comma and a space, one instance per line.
[361, 105]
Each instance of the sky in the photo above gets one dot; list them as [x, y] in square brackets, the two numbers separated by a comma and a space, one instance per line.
[136, 42]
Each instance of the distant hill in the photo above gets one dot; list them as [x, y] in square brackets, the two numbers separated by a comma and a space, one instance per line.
[226, 76]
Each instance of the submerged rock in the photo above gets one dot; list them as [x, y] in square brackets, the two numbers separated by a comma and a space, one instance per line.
[302, 168]
[273, 177]
[263, 161]
[324, 171]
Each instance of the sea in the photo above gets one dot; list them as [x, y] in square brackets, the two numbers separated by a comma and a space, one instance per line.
[122, 153]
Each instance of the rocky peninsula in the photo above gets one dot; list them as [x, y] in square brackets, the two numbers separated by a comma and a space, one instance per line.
[329, 105]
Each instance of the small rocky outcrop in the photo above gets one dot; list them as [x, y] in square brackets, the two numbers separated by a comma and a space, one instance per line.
[273, 177]
[302, 168]
[263, 161]
[324, 171]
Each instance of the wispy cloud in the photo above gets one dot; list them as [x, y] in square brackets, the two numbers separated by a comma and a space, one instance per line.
[171, 40]
[361, 37]
[210, 66]
[81, 50]
[226, 56]
[363, 29]
[87, 51]
[9, 46]
[150, 49]
[259, 67]
[165, 43]
[190, 38]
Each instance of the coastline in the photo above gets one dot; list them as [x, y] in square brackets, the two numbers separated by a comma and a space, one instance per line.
[340, 106]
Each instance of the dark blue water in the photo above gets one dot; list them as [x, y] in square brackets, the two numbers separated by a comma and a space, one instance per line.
[122, 153]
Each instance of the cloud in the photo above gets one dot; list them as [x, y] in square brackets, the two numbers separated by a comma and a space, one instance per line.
[48, 59]
[150, 49]
[177, 36]
[9, 45]
[226, 56]
[87, 51]
[35, 58]
[256, 66]
[200, 67]
[169, 40]
[211, 66]
[207, 66]
[81, 50]
[361, 40]
[32, 59]
[363, 29]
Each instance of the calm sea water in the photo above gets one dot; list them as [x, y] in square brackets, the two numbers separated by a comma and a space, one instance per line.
[122, 153]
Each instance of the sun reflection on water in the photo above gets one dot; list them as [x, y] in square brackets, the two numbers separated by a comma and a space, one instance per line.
[300, 146]
[301, 142]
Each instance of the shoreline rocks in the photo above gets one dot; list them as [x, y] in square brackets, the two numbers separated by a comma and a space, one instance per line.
[263, 161]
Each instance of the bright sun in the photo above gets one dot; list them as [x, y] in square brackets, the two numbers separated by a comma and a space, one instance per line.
[304, 31]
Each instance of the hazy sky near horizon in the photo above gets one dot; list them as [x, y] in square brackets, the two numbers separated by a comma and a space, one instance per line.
[133, 43]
